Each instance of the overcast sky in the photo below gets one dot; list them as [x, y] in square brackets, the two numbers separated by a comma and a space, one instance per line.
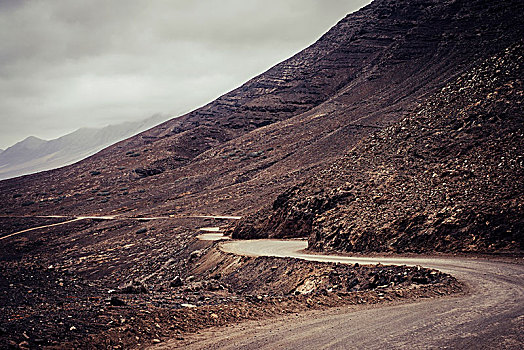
[66, 64]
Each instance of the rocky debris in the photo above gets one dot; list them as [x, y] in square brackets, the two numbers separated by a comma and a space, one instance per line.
[260, 277]
[195, 255]
[447, 178]
[133, 154]
[11, 225]
[115, 301]
[176, 282]
[69, 298]
[236, 154]
[145, 172]
[240, 151]
[133, 287]
[41, 306]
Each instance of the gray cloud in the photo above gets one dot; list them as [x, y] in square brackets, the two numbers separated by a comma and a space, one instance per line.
[68, 64]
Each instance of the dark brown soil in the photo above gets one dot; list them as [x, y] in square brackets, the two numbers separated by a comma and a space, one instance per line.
[238, 153]
[46, 307]
[447, 178]
[14, 224]
[317, 136]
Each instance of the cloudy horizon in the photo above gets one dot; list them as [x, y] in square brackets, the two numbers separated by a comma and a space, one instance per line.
[73, 64]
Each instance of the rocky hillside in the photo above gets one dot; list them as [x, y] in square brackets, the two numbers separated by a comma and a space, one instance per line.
[237, 153]
[449, 177]
[399, 130]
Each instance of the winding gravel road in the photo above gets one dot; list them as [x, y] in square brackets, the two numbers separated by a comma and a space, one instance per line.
[491, 316]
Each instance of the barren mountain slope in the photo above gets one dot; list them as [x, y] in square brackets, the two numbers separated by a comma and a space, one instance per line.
[93, 283]
[449, 177]
[236, 153]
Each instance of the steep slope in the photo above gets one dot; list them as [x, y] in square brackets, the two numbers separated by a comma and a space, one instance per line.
[238, 152]
[325, 126]
[449, 177]
[33, 154]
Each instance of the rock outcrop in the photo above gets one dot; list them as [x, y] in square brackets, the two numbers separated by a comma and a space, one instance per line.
[449, 177]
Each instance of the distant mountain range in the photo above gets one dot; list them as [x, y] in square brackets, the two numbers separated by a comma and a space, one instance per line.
[34, 154]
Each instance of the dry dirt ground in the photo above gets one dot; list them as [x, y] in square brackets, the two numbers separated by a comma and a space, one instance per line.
[55, 295]
[489, 316]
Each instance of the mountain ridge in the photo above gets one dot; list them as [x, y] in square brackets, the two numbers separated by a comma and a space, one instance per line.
[34, 154]
[367, 72]
[399, 131]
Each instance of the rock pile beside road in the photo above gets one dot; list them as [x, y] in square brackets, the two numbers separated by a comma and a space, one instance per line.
[50, 306]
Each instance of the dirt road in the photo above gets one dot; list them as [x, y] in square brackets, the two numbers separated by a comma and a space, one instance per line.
[112, 217]
[40, 227]
[491, 316]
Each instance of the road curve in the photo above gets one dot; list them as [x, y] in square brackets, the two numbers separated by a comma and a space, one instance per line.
[491, 316]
